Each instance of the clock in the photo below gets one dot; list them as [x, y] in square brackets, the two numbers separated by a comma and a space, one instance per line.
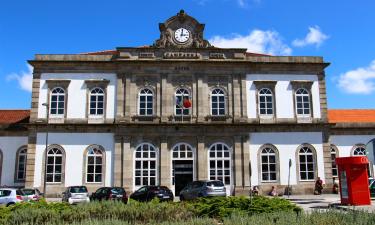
[182, 35]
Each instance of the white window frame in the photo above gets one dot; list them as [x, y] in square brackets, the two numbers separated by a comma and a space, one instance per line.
[99, 93]
[222, 159]
[217, 93]
[181, 93]
[303, 102]
[189, 150]
[359, 150]
[21, 152]
[142, 159]
[57, 108]
[52, 152]
[306, 151]
[268, 154]
[333, 162]
[264, 93]
[146, 92]
[95, 152]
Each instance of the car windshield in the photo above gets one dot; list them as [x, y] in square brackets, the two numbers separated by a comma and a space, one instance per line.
[117, 191]
[215, 183]
[28, 191]
[4, 193]
[80, 189]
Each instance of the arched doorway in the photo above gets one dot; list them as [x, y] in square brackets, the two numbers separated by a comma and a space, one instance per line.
[182, 166]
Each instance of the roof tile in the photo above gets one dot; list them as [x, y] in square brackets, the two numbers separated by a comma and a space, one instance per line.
[13, 116]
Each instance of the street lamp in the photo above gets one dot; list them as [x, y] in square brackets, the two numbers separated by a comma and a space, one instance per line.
[45, 153]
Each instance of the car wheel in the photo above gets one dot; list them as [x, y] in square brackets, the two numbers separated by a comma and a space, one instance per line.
[10, 203]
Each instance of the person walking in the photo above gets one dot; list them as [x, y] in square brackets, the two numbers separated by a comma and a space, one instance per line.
[318, 186]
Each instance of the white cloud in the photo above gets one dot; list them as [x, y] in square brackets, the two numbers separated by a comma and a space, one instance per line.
[257, 41]
[23, 78]
[314, 37]
[358, 81]
[241, 3]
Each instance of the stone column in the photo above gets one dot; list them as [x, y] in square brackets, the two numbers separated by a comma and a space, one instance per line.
[35, 97]
[203, 98]
[237, 163]
[237, 103]
[323, 96]
[120, 95]
[202, 159]
[165, 163]
[30, 160]
[158, 99]
[327, 158]
[246, 159]
[118, 163]
[165, 95]
[128, 164]
[129, 98]
[243, 98]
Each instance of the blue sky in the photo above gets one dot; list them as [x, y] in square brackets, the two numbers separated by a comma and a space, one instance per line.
[340, 31]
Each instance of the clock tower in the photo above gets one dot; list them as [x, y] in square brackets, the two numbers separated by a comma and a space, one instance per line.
[181, 31]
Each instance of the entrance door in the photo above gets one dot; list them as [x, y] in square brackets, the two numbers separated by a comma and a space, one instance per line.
[183, 174]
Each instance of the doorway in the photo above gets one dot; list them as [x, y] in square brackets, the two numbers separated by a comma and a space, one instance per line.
[183, 174]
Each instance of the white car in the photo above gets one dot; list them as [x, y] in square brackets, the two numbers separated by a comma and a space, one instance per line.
[31, 194]
[10, 196]
[76, 194]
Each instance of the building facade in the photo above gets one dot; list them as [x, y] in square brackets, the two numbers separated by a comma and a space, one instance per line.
[177, 111]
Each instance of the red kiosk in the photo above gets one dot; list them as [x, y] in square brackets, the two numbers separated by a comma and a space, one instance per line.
[354, 189]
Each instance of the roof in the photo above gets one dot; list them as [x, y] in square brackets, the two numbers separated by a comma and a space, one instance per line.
[351, 116]
[13, 116]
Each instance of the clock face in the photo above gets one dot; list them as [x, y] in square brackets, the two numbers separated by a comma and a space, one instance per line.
[182, 35]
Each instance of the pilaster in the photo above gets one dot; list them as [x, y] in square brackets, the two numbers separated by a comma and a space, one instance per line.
[118, 162]
[128, 163]
[120, 95]
[30, 160]
[202, 172]
[165, 162]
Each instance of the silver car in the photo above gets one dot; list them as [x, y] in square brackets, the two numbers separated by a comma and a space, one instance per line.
[10, 196]
[205, 188]
[76, 194]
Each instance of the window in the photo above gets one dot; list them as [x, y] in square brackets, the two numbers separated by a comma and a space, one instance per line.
[145, 165]
[359, 151]
[333, 160]
[268, 164]
[265, 102]
[182, 151]
[94, 167]
[21, 164]
[96, 102]
[57, 102]
[54, 164]
[217, 102]
[219, 162]
[306, 164]
[146, 105]
[181, 95]
[302, 102]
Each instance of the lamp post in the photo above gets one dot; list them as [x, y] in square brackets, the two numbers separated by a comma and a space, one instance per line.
[45, 153]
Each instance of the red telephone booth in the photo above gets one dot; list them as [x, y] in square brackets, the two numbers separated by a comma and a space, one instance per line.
[354, 187]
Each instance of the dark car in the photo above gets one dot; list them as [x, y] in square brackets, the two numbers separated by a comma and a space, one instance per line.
[205, 188]
[110, 193]
[147, 193]
[371, 186]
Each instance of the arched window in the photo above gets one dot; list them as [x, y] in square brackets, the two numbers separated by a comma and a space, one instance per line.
[182, 151]
[302, 102]
[145, 165]
[54, 164]
[57, 107]
[220, 163]
[306, 163]
[217, 102]
[94, 164]
[333, 161]
[21, 164]
[265, 102]
[359, 150]
[146, 102]
[181, 95]
[268, 164]
[96, 101]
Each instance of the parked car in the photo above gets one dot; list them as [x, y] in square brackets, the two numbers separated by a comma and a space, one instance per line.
[147, 193]
[10, 196]
[204, 188]
[32, 194]
[371, 186]
[110, 193]
[76, 194]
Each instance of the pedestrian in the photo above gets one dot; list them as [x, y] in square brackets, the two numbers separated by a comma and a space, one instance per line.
[273, 191]
[335, 187]
[255, 191]
[318, 186]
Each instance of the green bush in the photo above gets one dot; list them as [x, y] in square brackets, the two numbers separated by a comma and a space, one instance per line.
[220, 207]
